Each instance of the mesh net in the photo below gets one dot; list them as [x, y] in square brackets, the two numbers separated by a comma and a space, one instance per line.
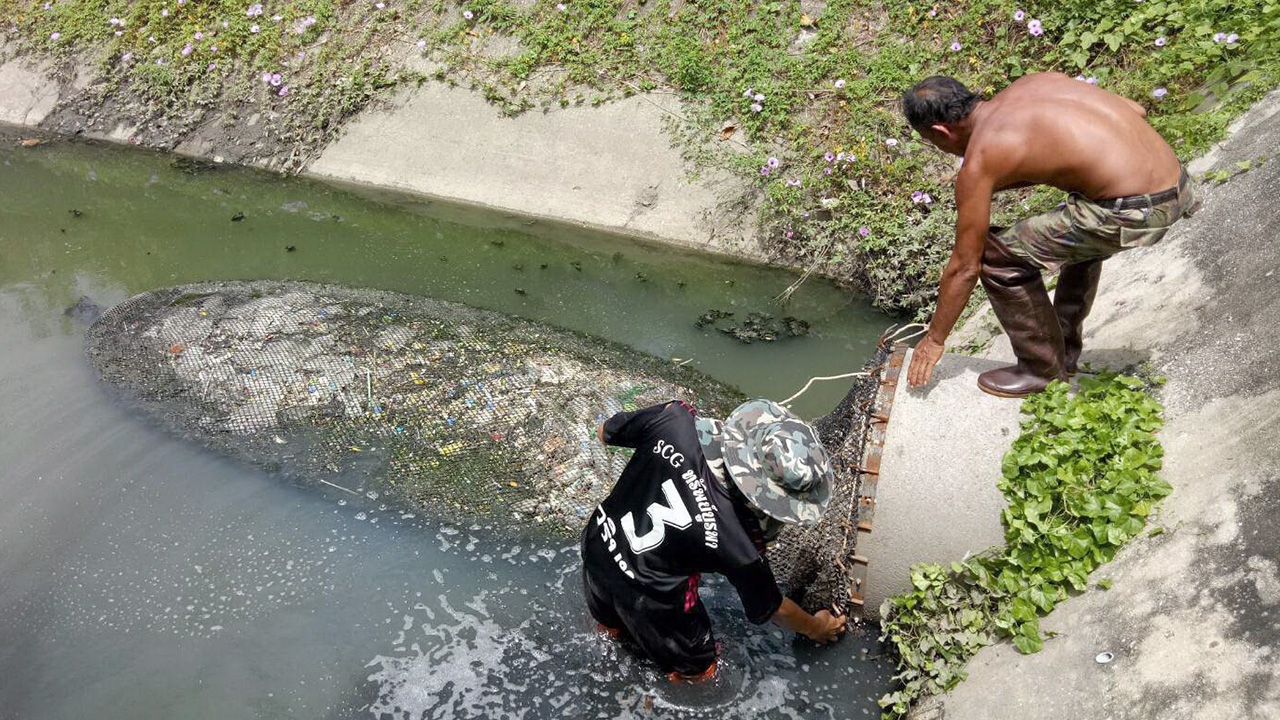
[428, 404]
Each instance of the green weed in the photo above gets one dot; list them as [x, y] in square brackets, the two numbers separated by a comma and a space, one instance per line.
[1080, 482]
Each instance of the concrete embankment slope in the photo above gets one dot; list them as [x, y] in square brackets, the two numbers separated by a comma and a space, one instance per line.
[1193, 618]
[611, 167]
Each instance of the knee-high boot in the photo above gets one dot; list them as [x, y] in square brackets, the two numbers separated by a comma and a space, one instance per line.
[1072, 301]
[1022, 306]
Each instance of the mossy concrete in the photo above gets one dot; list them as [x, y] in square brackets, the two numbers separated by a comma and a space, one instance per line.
[611, 168]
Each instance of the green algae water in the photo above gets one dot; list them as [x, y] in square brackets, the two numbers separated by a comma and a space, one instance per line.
[147, 578]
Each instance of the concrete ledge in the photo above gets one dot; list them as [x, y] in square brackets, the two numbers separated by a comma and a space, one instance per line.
[27, 95]
[610, 167]
[936, 499]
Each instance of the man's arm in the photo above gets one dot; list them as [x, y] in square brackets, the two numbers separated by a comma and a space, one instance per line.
[821, 627]
[973, 204]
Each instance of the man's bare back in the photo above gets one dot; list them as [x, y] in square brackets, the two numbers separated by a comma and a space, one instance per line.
[1052, 130]
[1044, 129]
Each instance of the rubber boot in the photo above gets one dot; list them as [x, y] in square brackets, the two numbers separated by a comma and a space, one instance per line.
[1022, 306]
[1072, 301]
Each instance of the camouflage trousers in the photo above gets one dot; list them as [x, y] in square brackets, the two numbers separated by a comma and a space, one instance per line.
[1082, 229]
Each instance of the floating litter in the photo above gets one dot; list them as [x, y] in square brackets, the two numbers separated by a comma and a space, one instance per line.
[465, 413]
[1103, 658]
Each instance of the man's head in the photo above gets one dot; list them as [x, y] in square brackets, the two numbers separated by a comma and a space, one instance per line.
[938, 108]
[774, 459]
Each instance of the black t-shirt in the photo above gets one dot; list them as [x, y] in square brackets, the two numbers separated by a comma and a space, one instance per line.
[668, 519]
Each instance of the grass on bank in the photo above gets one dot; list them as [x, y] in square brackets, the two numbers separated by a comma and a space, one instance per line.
[1080, 482]
[801, 99]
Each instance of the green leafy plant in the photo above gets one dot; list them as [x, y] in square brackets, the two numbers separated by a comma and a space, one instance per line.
[1080, 482]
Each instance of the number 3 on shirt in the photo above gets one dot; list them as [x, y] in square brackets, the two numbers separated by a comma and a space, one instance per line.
[674, 513]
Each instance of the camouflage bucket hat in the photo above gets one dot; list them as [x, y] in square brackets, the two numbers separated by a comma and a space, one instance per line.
[777, 461]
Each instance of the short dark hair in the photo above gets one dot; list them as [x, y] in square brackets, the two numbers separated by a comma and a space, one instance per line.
[938, 100]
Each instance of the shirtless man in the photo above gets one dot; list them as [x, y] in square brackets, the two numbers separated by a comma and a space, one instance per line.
[1126, 188]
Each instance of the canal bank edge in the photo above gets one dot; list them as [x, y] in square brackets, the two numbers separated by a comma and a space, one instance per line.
[610, 168]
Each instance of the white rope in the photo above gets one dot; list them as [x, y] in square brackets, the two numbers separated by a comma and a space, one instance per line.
[891, 335]
[812, 380]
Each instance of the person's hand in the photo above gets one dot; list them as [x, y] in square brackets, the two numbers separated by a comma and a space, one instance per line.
[926, 354]
[827, 627]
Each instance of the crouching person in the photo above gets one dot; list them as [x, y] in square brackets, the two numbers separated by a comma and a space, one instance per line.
[701, 496]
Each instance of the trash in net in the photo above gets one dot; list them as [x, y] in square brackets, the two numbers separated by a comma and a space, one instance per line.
[431, 405]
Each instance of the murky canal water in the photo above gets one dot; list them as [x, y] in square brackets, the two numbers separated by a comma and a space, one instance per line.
[141, 577]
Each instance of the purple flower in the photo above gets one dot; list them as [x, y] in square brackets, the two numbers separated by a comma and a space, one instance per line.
[758, 97]
[1160, 41]
[955, 46]
[829, 157]
[1159, 93]
[55, 35]
[422, 43]
[276, 80]
[917, 197]
[826, 171]
[1080, 78]
[839, 157]
[199, 35]
[186, 50]
[164, 12]
[561, 7]
[864, 231]
[254, 29]
[468, 14]
[933, 12]
[1219, 37]
[48, 6]
[773, 162]
[840, 83]
[789, 233]
[756, 107]
[749, 92]
[927, 199]
[765, 170]
[1035, 28]
[1093, 80]
[1232, 38]
[254, 10]
[891, 142]
[284, 91]
[213, 48]
[213, 66]
[793, 183]
[1019, 15]
[266, 77]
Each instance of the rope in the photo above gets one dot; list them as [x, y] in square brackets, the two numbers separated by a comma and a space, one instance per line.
[812, 380]
[891, 335]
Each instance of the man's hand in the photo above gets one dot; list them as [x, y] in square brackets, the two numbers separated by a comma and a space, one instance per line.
[821, 627]
[826, 627]
[923, 358]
